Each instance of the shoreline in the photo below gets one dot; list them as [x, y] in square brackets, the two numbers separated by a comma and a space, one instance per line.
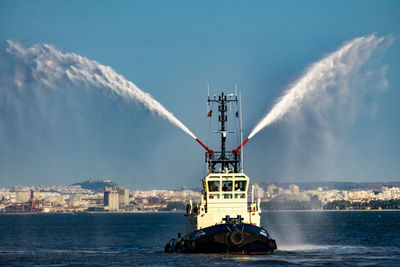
[182, 212]
[330, 210]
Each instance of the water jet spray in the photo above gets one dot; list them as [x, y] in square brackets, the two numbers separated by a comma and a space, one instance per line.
[324, 74]
[52, 68]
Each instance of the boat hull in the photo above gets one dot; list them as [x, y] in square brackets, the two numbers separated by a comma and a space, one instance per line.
[237, 238]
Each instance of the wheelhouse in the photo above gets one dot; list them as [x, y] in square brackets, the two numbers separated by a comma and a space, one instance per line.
[230, 186]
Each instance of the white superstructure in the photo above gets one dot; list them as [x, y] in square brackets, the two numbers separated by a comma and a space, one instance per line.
[224, 194]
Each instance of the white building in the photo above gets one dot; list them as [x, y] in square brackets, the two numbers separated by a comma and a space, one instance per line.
[294, 188]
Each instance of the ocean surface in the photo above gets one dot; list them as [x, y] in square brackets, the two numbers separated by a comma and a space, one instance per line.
[303, 238]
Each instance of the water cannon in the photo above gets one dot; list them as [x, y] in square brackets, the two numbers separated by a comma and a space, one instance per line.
[211, 152]
[235, 151]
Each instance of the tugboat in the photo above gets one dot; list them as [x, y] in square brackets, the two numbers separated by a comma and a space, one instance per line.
[224, 221]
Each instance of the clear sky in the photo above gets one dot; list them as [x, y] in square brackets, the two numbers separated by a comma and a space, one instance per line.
[172, 50]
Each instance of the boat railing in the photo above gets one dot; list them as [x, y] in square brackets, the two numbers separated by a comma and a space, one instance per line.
[218, 157]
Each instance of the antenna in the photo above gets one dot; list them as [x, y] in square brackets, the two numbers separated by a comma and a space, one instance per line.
[252, 193]
[235, 89]
[208, 91]
[241, 127]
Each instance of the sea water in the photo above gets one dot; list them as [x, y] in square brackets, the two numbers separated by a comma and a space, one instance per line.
[303, 238]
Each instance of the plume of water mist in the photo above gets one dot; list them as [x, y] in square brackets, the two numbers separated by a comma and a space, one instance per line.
[52, 68]
[322, 75]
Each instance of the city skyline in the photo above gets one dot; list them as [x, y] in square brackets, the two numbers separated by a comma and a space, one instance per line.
[65, 135]
[102, 183]
[113, 198]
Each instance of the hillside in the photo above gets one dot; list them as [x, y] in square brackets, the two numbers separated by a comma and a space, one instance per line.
[96, 185]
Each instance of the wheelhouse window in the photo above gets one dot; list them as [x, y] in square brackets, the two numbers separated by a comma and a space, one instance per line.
[240, 186]
[226, 186]
[227, 196]
[242, 195]
[213, 196]
[213, 186]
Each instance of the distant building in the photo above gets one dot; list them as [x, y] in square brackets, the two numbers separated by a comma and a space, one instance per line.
[116, 198]
[294, 188]
[74, 201]
[258, 191]
[272, 188]
[22, 196]
[111, 201]
[390, 193]
[123, 197]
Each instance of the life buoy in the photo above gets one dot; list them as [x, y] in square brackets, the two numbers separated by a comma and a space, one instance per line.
[236, 238]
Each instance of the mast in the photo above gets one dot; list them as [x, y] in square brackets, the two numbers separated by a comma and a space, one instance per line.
[222, 119]
[241, 128]
[224, 158]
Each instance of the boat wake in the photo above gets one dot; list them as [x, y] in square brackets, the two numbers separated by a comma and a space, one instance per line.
[303, 247]
[335, 249]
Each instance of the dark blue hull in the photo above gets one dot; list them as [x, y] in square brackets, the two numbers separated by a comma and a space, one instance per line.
[241, 238]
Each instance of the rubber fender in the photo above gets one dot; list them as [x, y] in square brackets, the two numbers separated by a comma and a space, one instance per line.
[167, 248]
[272, 244]
[192, 245]
[236, 238]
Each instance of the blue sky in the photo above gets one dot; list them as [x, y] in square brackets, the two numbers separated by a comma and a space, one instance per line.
[172, 50]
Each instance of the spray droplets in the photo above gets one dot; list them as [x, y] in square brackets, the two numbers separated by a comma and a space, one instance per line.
[321, 75]
[52, 68]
